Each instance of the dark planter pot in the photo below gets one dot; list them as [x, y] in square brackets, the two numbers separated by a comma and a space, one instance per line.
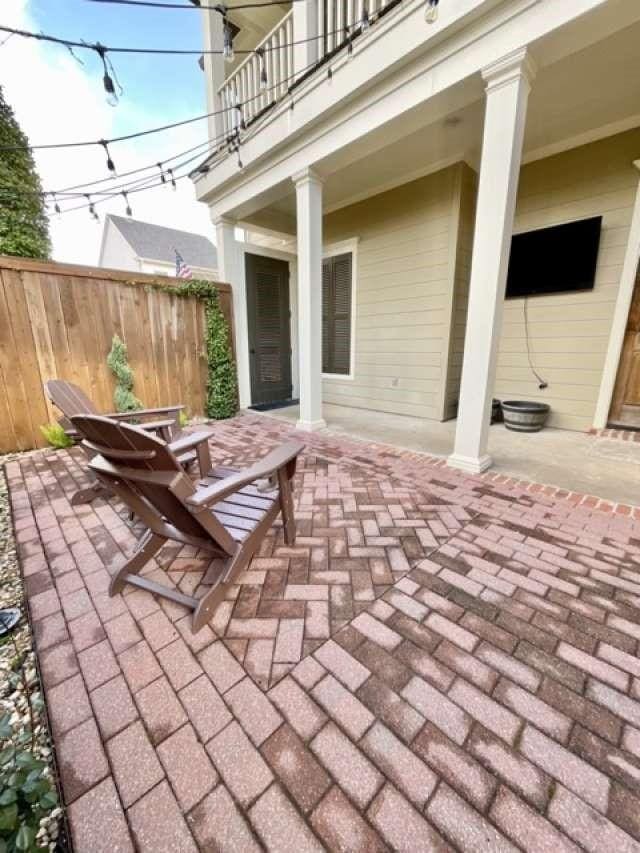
[496, 411]
[523, 416]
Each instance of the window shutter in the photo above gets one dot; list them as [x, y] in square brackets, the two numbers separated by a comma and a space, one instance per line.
[336, 314]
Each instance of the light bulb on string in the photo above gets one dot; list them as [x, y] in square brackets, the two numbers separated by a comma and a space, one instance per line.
[349, 45]
[163, 180]
[173, 180]
[365, 22]
[108, 76]
[264, 81]
[240, 124]
[227, 39]
[56, 206]
[329, 75]
[128, 207]
[110, 164]
[92, 210]
[431, 11]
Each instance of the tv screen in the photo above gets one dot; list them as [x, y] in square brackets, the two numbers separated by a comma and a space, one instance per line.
[554, 260]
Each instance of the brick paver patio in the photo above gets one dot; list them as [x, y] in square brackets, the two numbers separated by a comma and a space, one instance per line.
[442, 662]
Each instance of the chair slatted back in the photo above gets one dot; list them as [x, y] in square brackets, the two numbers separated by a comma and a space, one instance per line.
[129, 449]
[69, 398]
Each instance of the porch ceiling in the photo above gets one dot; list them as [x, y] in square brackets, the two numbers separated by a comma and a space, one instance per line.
[591, 93]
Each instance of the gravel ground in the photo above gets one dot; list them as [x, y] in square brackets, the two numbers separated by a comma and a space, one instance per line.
[22, 701]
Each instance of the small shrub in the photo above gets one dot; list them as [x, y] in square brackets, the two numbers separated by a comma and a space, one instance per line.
[183, 419]
[56, 436]
[123, 397]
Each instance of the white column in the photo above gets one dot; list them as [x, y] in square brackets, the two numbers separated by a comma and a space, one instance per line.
[508, 82]
[305, 26]
[309, 222]
[214, 71]
[231, 270]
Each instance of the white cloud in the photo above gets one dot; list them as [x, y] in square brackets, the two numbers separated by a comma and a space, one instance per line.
[57, 99]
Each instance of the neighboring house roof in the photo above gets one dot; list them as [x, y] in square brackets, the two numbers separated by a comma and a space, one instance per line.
[157, 243]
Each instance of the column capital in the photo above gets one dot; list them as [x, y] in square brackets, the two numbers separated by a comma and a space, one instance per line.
[514, 66]
[307, 176]
[222, 220]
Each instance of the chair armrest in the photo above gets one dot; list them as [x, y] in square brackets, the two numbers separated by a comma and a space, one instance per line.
[163, 410]
[188, 441]
[151, 426]
[273, 461]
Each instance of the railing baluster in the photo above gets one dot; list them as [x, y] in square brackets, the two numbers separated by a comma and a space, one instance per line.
[290, 47]
[331, 26]
[322, 46]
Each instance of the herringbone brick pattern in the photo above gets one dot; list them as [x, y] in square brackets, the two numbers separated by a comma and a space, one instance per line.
[486, 696]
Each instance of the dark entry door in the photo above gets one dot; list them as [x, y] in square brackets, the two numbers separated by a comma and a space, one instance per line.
[269, 333]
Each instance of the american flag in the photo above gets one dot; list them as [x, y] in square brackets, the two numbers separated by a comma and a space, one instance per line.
[183, 270]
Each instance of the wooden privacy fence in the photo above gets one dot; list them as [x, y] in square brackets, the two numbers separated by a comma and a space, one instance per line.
[57, 322]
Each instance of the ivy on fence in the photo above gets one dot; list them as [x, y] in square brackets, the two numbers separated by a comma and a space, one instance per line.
[222, 393]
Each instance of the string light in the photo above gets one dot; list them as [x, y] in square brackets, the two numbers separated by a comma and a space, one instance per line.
[350, 43]
[431, 11]
[56, 206]
[128, 207]
[227, 38]
[107, 79]
[365, 22]
[110, 164]
[163, 180]
[240, 123]
[92, 210]
[264, 82]
[329, 74]
[173, 180]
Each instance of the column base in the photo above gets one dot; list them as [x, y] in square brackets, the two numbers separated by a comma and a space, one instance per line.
[311, 426]
[470, 464]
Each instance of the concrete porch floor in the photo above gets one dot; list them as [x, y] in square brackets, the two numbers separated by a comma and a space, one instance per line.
[607, 468]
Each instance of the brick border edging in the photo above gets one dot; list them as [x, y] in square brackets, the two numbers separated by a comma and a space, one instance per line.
[616, 433]
[578, 499]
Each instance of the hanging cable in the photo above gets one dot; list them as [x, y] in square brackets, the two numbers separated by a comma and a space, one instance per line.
[195, 5]
[541, 382]
[161, 128]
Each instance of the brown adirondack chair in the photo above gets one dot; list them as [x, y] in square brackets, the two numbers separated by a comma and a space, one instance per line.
[71, 400]
[227, 514]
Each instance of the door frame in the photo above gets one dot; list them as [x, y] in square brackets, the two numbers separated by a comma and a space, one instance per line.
[624, 367]
[620, 315]
[260, 252]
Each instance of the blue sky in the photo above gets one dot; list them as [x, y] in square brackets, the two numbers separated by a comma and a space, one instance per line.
[57, 99]
[171, 87]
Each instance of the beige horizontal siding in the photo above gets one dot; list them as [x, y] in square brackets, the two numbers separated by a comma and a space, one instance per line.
[402, 297]
[569, 332]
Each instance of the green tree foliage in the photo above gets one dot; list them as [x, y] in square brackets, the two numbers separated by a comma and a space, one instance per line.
[24, 227]
[124, 398]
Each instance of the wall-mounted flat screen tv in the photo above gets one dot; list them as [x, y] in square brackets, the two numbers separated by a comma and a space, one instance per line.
[554, 260]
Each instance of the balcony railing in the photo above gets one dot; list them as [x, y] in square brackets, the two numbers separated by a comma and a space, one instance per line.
[242, 88]
[243, 99]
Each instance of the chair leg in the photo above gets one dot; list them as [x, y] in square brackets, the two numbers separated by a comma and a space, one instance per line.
[286, 507]
[204, 458]
[210, 602]
[148, 545]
